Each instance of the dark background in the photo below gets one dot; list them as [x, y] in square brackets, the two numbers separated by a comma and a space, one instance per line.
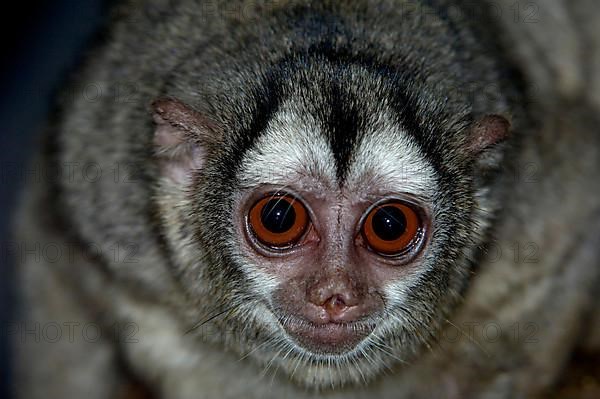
[43, 42]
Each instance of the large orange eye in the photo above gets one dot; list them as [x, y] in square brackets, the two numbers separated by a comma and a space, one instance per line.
[392, 228]
[278, 220]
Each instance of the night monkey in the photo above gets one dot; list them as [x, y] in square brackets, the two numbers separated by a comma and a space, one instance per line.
[313, 198]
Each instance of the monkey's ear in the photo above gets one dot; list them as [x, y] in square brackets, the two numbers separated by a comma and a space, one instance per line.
[487, 132]
[182, 138]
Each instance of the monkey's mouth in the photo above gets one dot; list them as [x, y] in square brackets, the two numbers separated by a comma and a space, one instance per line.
[327, 338]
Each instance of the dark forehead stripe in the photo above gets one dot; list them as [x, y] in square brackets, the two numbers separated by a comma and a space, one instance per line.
[267, 98]
[342, 124]
[340, 118]
[335, 108]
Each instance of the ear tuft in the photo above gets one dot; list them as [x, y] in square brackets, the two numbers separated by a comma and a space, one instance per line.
[181, 138]
[487, 132]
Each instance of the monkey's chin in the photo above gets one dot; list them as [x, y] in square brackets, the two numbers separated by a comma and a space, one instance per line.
[329, 338]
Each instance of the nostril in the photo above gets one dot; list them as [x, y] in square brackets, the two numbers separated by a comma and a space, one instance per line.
[336, 302]
[335, 305]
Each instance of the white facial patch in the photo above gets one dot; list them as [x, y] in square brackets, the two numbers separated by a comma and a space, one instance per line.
[388, 158]
[292, 146]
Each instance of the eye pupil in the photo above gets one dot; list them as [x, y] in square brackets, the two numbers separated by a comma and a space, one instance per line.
[278, 216]
[389, 223]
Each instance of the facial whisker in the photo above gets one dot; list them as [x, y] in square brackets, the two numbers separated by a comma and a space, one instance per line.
[470, 338]
[210, 318]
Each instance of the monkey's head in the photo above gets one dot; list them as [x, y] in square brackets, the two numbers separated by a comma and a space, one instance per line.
[326, 230]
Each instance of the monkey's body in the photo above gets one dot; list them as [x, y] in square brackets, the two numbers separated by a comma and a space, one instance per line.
[502, 316]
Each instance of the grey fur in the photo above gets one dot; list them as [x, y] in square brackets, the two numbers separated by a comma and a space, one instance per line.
[449, 70]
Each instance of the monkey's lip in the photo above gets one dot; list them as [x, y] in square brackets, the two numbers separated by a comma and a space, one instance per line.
[327, 338]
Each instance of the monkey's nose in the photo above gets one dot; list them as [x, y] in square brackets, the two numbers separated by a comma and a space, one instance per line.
[336, 308]
[333, 293]
[335, 298]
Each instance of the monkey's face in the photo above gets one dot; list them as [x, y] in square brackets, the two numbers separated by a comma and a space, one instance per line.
[332, 259]
[332, 244]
